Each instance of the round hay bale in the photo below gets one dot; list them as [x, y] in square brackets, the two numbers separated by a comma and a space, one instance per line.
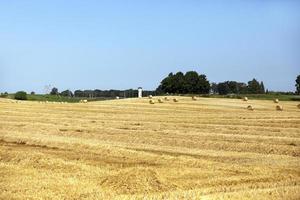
[151, 101]
[276, 101]
[245, 99]
[160, 101]
[250, 107]
[175, 100]
[117, 97]
[298, 106]
[279, 107]
[85, 101]
[194, 98]
[166, 99]
[150, 96]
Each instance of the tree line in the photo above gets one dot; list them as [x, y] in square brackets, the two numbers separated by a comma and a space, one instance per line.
[189, 83]
[179, 83]
[193, 83]
[234, 87]
[101, 93]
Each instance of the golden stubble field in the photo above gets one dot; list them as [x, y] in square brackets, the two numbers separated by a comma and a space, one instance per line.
[130, 149]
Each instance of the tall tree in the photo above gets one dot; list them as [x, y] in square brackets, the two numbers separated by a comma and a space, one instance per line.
[78, 93]
[167, 83]
[178, 83]
[191, 84]
[214, 88]
[262, 87]
[181, 83]
[223, 88]
[233, 87]
[254, 87]
[297, 85]
[54, 91]
[203, 85]
[66, 93]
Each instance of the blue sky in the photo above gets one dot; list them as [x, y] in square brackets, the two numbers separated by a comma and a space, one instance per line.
[125, 44]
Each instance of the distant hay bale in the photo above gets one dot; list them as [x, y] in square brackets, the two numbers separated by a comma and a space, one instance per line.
[279, 107]
[151, 101]
[85, 101]
[245, 98]
[194, 98]
[166, 99]
[160, 101]
[298, 106]
[276, 101]
[250, 107]
[175, 100]
[150, 96]
[117, 97]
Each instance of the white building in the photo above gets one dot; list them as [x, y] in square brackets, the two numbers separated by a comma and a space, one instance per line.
[140, 92]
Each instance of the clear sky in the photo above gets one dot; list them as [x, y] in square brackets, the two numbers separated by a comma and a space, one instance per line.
[129, 43]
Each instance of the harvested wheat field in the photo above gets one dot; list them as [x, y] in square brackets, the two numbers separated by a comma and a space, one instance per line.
[130, 149]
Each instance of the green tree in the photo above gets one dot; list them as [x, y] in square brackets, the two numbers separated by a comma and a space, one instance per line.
[203, 85]
[262, 87]
[78, 93]
[166, 84]
[233, 87]
[297, 85]
[181, 83]
[178, 83]
[54, 91]
[66, 93]
[191, 83]
[21, 95]
[254, 87]
[223, 88]
[214, 88]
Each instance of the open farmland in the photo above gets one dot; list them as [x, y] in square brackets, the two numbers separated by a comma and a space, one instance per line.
[130, 149]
